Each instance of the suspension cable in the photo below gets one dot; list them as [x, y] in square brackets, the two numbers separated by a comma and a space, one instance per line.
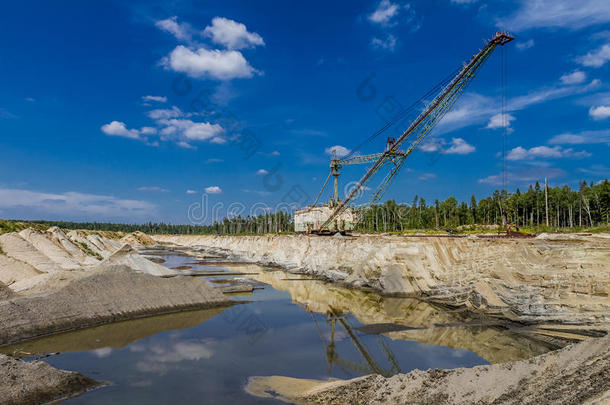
[401, 114]
[320, 193]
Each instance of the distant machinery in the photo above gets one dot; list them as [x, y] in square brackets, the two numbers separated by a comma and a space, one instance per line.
[337, 215]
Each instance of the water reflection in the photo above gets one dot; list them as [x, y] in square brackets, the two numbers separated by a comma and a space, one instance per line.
[102, 339]
[422, 322]
[304, 329]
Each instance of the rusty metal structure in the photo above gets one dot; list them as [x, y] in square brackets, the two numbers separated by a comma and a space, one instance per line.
[445, 94]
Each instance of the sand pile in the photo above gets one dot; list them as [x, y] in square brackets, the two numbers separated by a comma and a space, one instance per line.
[12, 270]
[35, 260]
[48, 243]
[16, 247]
[107, 294]
[37, 382]
[5, 292]
[138, 239]
[127, 256]
[577, 374]
[96, 243]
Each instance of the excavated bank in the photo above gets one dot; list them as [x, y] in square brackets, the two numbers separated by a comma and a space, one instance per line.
[546, 279]
[107, 295]
[37, 382]
[577, 374]
[53, 282]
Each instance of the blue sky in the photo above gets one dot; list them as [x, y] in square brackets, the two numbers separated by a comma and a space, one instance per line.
[143, 110]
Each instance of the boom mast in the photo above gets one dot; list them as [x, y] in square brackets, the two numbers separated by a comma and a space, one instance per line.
[424, 123]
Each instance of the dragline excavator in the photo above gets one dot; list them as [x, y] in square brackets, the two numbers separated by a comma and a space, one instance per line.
[337, 215]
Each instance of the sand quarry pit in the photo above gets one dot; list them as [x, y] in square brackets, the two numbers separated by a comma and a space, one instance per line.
[553, 288]
[52, 282]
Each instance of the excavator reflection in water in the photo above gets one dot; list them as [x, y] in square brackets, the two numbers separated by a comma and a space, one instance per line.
[332, 357]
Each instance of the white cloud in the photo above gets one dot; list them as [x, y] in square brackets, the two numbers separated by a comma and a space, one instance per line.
[528, 175]
[195, 131]
[568, 14]
[500, 121]
[231, 34]
[596, 170]
[261, 172]
[597, 58]
[6, 115]
[431, 145]
[585, 137]
[308, 132]
[576, 77]
[549, 93]
[170, 126]
[600, 112]
[384, 12]
[71, 205]
[338, 149]
[164, 113]
[148, 130]
[163, 357]
[427, 176]
[117, 128]
[181, 31]
[185, 145]
[523, 45]
[103, 352]
[191, 192]
[158, 99]
[389, 43]
[213, 190]
[520, 153]
[475, 108]
[459, 146]
[154, 189]
[217, 64]
[259, 192]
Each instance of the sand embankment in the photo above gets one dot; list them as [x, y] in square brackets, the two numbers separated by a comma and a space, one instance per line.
[57, 282]
[37, 382]
[53, 282]
[35, 261]
[577, 374]
[107, 295]
[545, 279]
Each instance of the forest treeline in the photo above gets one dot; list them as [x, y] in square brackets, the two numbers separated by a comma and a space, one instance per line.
[558, 207]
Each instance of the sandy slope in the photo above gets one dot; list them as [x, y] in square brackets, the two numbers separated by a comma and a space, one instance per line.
[57, 282]
[35, 261]
[107, 294]
[577, 374]
[547, 279]
[37, 382]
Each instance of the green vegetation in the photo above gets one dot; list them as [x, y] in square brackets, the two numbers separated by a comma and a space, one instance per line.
[279, 222]
[586, 209]
[16, 226]
[88, 250]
